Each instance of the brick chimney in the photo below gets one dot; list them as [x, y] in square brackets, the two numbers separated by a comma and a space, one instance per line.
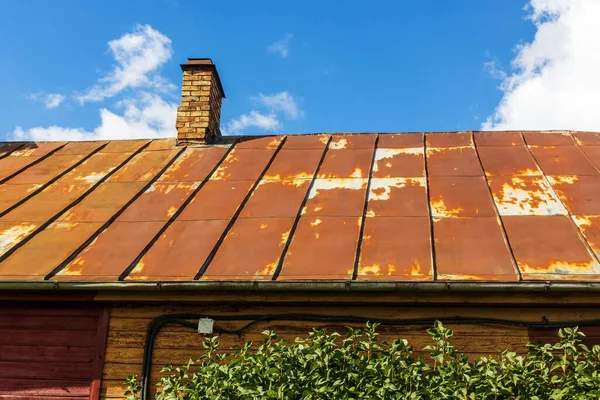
[199, 114]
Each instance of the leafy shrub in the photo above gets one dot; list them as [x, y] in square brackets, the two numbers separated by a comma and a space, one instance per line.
[358, 366]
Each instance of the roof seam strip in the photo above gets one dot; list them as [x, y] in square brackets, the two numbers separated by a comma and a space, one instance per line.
[361, 229]
[215, 249]
[51, 181]
[288, 241]
[39, 160]
[174, 217]
[43, 226]
[428, 195]
[116, 215]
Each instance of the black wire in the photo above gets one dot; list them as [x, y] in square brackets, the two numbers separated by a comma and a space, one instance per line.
[183, 319]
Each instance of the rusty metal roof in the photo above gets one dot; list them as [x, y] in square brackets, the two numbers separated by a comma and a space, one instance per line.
[414, 207]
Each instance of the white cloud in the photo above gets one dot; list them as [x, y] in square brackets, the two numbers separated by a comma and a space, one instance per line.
[555, 79]
[147, 116]
[282, 46]
[138, 56]
[254, 119]
[50, 100]
[282, 101]
[277, 105]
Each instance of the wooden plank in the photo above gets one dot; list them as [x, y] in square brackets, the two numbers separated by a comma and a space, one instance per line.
[48, 309]
[49, 323]
[43, 295]
[32, 397]
[28, 387]
[10, 369]
[46, 354]
[48, 338]
[101, 335]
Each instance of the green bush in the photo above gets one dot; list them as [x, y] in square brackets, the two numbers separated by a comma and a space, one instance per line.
[326, 366]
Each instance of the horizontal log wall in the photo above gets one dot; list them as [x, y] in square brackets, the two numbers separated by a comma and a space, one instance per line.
[128, 323]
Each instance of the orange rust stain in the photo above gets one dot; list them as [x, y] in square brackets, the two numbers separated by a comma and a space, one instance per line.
[439, 209]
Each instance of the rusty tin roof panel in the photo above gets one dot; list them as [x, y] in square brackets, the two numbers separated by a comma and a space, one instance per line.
[194, 164]
[508, 161]
[294, 164]
[52, 200]
[460, 196]
[453, 161]
[82, 148]
[398, 163]
[244, 164]
[563, 160]
[46, 250]
[449, 139]
[103, 202]
[144, 166]
[46, 170]
[322, 248]
[337, 197]
[587, 138]
[266, 142]
[548, 138]
[354, 163]
[397, 197]
[37, 149]
[498, 138]
[180, 251]
[230, 195]
[111, 252]
[94, 168]
[158, 203]
[10, 195]
[593, 154]
[396, 248]
[124, 146]
[550, 247]
[161, 144]
[10, 165]
[352, 141]
[580, 194]
[251, 250]
[282, 197]
[524, 195]
[400, 140]
[472, 249]
[306, 142]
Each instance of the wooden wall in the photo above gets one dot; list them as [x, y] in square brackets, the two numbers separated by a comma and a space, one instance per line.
[128, 323]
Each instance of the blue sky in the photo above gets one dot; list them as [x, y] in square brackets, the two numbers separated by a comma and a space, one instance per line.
[79, 70]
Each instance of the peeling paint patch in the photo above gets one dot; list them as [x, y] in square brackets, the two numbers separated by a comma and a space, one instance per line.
[525, 196]
[381, 189]
[9, 237]
[338, 143]
[93, 177]
[564, 180]
[336, 183]
[138, 268]
[582, 222]
[315, 222]
[439, 209]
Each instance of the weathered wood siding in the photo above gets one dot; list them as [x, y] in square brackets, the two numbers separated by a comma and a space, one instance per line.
[128, 323]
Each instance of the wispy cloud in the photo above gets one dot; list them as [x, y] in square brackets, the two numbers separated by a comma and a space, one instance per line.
[50, 100]
[254, 119]
[143, 113]
[282, 46]
[138, 56]
[282, 101]
[275, 106]
[554, 80]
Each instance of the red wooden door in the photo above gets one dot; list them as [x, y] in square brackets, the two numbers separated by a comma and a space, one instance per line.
[50, 352]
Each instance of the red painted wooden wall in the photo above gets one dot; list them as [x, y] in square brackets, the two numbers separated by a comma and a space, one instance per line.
[50, 352]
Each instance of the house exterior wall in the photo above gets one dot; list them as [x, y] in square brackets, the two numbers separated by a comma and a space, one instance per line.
[131, 314]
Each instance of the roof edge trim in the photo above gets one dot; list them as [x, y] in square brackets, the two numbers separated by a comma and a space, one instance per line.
[307, 286]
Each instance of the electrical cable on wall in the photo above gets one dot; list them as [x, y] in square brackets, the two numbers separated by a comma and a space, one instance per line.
[184, 320]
